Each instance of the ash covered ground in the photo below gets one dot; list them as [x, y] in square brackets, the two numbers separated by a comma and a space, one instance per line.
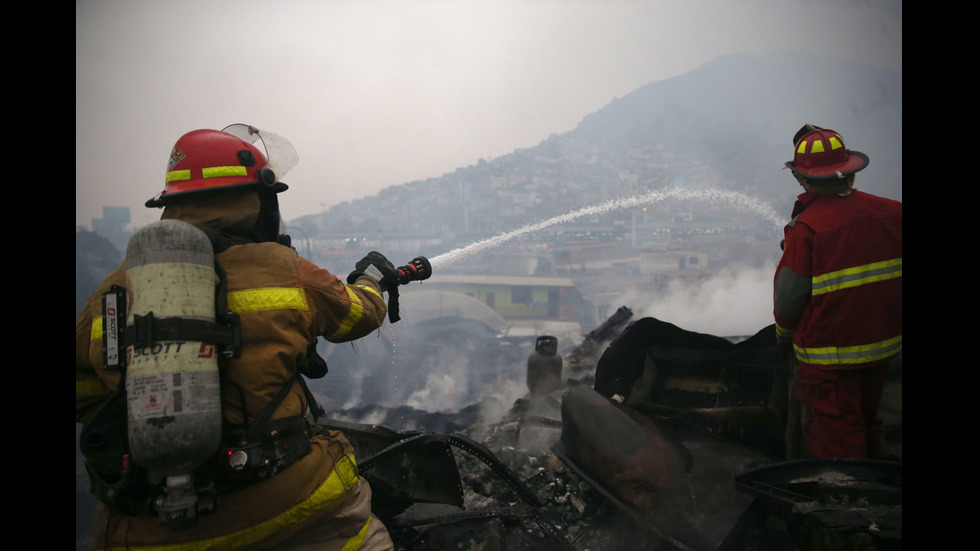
[518, 493]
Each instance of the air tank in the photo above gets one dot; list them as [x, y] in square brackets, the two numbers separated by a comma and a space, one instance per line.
[172, 386]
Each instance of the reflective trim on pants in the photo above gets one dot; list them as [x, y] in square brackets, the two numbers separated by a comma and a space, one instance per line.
[343, 477]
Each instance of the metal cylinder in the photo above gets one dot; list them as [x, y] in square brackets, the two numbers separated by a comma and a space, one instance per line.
[172, 386]
[544, 366]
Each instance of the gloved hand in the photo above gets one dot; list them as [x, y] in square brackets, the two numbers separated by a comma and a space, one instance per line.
[377, 267]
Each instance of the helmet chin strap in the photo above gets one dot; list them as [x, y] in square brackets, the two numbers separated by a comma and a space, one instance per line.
[268, 225]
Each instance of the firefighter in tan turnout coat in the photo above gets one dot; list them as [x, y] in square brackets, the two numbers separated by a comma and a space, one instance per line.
[314, 499]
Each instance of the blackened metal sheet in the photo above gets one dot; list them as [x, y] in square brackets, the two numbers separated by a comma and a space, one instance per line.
[675, 481]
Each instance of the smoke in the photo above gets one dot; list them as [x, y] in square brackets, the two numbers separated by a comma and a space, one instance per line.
[736, 301]
[445, 386]
[447, 371]
[452, 391]
[427, 366]
[464, 372]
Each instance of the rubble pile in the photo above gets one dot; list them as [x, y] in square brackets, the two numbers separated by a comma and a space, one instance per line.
[516, 493]
[574, 510]
[572, 514]
[685, 454]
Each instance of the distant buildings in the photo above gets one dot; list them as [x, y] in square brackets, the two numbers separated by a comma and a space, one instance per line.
[113, 226]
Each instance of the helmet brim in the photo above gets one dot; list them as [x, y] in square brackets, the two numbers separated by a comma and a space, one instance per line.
[159, 200]
[856, 161]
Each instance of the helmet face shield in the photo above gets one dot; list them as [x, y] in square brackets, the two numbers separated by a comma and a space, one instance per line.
[281, 154]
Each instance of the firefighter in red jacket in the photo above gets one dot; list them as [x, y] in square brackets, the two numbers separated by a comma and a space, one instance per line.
[838, 296]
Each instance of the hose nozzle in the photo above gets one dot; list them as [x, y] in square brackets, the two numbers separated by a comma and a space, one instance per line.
[416, 270]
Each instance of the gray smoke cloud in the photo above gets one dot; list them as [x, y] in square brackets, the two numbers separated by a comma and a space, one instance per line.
[401, 367]
[736, 301]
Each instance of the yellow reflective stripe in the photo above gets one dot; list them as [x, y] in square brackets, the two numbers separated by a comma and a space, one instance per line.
[267, 298]
[859, 275]
[355, 543]
[278, 298]
[784, 331]
[208, 172]
[845, 355]
[178, 175]
[219, 171]
[353, 316]
[96, 333]
[835, 143]
[89, 387]
[248, 300]
[341, 480]
[371, 290]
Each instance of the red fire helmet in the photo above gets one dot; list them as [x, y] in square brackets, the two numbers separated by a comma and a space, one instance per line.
[821, 153]
[205, 160]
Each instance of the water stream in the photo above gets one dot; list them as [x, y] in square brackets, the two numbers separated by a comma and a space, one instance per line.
[444, 385]
[706, 196]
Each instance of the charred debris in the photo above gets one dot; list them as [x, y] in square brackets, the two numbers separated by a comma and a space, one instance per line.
[657, 439]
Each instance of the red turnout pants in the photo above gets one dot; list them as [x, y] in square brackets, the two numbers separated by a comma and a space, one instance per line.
[840, 410]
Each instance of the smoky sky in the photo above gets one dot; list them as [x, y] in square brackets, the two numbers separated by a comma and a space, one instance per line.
[379, 93]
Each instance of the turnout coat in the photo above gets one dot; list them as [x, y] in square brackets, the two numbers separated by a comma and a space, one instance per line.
[838, 286]
[285, 303]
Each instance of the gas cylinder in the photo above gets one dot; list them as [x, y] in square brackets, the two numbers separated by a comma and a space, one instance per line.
[544, 366]
[172, 386]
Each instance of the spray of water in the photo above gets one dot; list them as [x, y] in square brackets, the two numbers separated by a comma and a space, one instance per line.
[704, 196]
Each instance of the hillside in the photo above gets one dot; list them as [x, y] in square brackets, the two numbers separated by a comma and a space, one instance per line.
[728, 124]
